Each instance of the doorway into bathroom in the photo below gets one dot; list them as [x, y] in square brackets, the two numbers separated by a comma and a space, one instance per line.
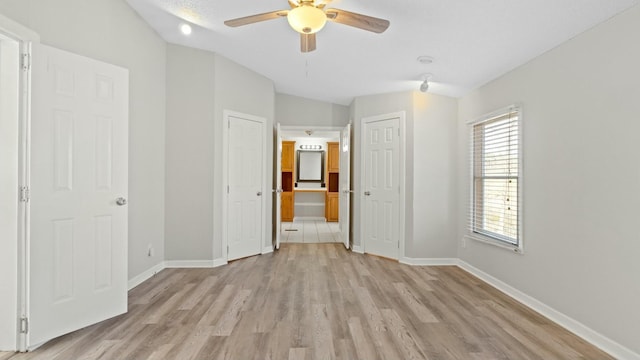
[314, 176]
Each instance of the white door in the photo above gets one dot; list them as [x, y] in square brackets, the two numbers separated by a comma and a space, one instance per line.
[345, 184]
[77, 251]
[278, 191]
[245, 181]
[382, 187]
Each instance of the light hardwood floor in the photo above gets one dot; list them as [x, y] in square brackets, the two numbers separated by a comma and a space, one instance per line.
[319, 301]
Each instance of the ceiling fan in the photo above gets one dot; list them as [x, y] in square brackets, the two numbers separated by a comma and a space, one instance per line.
[308, 17]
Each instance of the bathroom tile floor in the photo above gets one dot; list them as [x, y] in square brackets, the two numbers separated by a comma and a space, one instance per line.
[310, 231]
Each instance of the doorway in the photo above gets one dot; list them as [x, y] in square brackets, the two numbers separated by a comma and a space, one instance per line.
[310, 180]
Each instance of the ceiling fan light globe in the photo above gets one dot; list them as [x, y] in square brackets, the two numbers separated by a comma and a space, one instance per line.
[307, 19]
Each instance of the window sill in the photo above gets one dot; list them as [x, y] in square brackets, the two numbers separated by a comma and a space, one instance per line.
[488, 240]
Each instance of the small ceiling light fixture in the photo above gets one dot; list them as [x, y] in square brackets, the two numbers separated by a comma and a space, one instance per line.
[186, 29]
[425, 83]
[308, 132]
[306, 18]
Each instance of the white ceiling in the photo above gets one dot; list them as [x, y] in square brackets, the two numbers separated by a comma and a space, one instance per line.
[472, 42]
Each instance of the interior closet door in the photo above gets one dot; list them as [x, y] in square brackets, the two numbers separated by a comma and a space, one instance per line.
[382, 187]
[245, 181]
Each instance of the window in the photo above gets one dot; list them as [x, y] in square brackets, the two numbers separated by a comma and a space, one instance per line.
[496, 200]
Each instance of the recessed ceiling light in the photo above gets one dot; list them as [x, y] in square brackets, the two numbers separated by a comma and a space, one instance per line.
[425, 59]
[186, 29]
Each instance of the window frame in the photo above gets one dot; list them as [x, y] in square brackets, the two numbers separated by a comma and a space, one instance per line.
[486, 236]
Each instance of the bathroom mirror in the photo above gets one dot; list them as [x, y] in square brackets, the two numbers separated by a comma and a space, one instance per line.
[310, 166]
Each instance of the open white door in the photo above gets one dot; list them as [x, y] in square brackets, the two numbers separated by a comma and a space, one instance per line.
[278, 191]
[77, 247]
[345, 184]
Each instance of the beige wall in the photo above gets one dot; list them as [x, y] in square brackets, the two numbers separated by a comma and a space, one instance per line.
[581, 143]
[110, 31]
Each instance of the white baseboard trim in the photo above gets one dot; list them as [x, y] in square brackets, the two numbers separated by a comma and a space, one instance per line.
[267, 249]
[189, 264]
[219, 262]
[428, 262]
[604, 343]
[145, 275]
[357, 249]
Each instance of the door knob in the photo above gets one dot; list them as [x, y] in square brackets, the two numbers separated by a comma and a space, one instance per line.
[259, 193]
[367, 193]
[121, 201]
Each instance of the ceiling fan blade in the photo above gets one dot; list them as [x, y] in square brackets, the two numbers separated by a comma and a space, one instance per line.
[320, 4]
[360, 21]
[307, 42]
[256, 18]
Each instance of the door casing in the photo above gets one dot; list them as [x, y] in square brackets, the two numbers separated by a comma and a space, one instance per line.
[25, 37]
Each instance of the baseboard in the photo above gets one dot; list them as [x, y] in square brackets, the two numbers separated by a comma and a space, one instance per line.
[267, 249]
[189, 263]
[604, 343]
[219, 262]
[357, 249]
[145, 275]
[428, 261]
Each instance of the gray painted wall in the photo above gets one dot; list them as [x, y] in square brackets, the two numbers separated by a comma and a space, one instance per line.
[373, 105]
[200, 86]
[581, 175]
[296, 111]
[430, 155]
[240, 89]
[435, 216]
[189, 154]
[110, 31]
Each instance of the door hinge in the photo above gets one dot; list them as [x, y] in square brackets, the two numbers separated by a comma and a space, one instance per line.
[24, 325]
[227, 189]
[227, 250]
[24, 194]
[25, 62]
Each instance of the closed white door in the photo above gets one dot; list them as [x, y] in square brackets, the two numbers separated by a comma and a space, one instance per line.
[382, 187]
[77, 251]
[345, 185]
[245, 180]
[278, 190]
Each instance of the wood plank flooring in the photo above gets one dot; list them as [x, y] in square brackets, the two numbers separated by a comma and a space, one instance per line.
[318, 301]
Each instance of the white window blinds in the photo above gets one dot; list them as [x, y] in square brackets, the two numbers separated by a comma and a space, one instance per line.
[496, 168]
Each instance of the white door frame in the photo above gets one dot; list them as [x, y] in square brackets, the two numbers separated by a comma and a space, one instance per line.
[25, 37]
[401, 115]
[226, 114]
